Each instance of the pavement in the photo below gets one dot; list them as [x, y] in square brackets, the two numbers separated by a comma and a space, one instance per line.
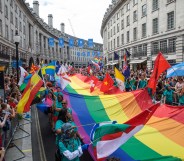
[21, 146]
[34, 140]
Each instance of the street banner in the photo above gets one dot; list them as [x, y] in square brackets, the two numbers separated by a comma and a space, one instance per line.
[80, 43]
[51, 42]
[71, 42]
[90, 43]
[61, 42]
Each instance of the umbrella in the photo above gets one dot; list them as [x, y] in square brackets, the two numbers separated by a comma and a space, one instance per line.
[176, 70]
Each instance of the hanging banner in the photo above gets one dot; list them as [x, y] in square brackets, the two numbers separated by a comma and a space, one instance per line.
[71, 42]
[93, 54]
[88, 54]
[90, 43]
[51, 42]
[83, 54]
[78, 54]
[98, 53]
[61, 42]
[80, 43]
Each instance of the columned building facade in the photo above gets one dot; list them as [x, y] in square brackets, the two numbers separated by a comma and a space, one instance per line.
[144, 27]
[34, 34]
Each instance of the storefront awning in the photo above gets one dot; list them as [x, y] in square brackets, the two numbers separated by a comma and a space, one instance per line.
[112, 62]
[137, 61]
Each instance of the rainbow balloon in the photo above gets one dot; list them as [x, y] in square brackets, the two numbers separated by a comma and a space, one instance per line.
[162, 138]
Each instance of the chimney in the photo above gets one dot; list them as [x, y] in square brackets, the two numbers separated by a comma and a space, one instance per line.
[50, 20]
[62, 28]
[36, 7]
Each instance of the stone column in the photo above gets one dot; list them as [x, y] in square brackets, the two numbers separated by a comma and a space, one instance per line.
[131, 65]
[10, 63]
[149, 56]
[179, 49]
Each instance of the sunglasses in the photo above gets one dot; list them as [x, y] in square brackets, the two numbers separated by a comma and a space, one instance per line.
[64, 103]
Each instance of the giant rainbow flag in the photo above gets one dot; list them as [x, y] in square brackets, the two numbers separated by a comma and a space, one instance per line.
[161, 139]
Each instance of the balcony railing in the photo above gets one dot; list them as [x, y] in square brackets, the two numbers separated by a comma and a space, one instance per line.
[4, 55]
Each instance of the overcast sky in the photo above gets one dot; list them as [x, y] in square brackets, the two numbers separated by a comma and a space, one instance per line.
[85, 16]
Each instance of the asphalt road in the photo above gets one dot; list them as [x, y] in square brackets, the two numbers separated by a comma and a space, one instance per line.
[48, 139]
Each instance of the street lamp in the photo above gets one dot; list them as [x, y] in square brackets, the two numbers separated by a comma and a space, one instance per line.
[17, 40]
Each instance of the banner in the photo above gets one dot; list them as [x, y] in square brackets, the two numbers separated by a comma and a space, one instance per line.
[78, 54]
[88, 54]
[51, 42]
[83, 54]
[71, 42]
[90, 43]
[61, 42]
[93, 54]
[98, 53]
[81, 43]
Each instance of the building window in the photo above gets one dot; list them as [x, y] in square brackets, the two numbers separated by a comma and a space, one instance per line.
[163, 46]
[144, 30]
[172, 45]
[16, 22]
[117, 27]
[24, 30]
[155, 48]
[11, 3]
[111, 32]
[6, 32]
[135, 2]
[135, 34]
[1, 27]
[24, 18]
[108, 25]
[170, 20]
[128, 20]
[111, 22]
[114, 19]
[144, 10]
[114, 43]
[135, 16]
[20, 26]
[118, 16]
[122, 11]
[108, 35]
[15, 8]
[111, 45]
[122, 24]
[144, 50]
[128, 6]
[12, 35]
[155, 5]
[114, 30]
[20, 14]
[11, 17]
[0, 5]
[122, 39]
[140, 50]
[155, 26]
[128, 36]
[118, 41]
[6, 11]
[134, 51]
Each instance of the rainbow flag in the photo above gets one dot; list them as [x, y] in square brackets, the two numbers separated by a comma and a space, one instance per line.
[162, 138]
[29, 93]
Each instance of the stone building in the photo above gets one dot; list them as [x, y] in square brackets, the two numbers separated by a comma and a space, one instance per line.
[144, 27]
[17, 15]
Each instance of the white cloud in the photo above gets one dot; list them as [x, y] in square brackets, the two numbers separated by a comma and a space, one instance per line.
[85, 15]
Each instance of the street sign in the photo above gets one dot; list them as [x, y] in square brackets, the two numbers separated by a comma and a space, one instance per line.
[14, 63]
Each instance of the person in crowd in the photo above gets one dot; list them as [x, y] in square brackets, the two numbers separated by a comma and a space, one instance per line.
[65, 105]
[142, 82]
[69, 145]
[178, 87]
[181, 97]
[57, 108]
[168, 95]
[58, 92]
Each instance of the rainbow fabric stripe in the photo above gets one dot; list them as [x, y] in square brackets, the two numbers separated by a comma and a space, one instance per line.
[162, 138]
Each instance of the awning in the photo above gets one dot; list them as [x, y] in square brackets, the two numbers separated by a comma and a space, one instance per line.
[137, 61]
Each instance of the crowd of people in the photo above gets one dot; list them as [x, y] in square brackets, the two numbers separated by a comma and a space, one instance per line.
[69, 143]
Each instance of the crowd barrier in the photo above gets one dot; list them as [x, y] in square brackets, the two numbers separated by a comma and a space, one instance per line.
[8, 136]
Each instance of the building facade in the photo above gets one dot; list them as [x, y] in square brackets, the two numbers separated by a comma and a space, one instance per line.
[17, 15]
[144, 27]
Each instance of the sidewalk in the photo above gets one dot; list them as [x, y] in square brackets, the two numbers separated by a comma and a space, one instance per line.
[21, 146]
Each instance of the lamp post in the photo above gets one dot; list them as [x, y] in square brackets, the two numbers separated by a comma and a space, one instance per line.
[17, 40]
